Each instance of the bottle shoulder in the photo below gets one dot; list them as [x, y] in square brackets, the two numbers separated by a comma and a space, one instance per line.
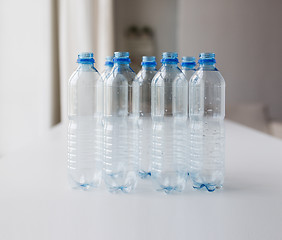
[145, 76]
[105, 74]
[82, 76]
[168, 75]
[206, 76]
[118, 75]
[188, 73]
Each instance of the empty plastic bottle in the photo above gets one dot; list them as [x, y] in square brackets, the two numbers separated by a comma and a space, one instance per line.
[188, 65]
[169, 115]
[107, 70]
[144, 77]
[188, 68]
[108, 67]
[85, 132]
[121, 115]
[207, 111]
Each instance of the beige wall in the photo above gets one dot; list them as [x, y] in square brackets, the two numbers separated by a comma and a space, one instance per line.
[247, 39]
[245, 35]
[29, 86]
[39, 43]
[160, 15]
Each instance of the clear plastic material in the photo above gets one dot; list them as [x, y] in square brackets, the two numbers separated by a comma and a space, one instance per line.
[144, 78]
[108, 67]
[121, 113]
[188, 65]
[85, 131]
[109, 63]
[169, 115]
[207, 112]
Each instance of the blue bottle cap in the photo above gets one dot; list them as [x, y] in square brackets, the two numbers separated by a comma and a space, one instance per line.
[86, 58]
[188, 62]
[207, 58]
[149, 61]
[109, 61]
[188, 59]
[169, 57]
[121, 57]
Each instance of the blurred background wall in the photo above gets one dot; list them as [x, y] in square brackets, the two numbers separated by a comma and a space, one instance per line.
[29, 74]
[246, 37]
[39, 43]
[159, 15]
[40, 40]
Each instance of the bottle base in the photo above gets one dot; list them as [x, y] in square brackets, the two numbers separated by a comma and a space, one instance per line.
[121, 182]
[124, 189]
[83, 186]
[144, 174]
[169, 182]
[170, 189]
[208, 186]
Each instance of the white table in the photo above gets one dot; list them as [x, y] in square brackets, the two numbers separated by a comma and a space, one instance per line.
[36, 202]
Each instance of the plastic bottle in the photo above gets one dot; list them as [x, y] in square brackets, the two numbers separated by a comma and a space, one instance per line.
[207, 111]
[108, 67]
[121, 115]
[107, 70]
[85, 130]
[144, 77]
[169, 116]
[188, 65]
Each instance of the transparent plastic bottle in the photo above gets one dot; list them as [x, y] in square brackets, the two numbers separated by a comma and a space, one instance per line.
[85, 131]
[207, 111]
[144, 78]
[108, 67]
[188, 65]
[106, 72]
[169, 115]
[121, 115]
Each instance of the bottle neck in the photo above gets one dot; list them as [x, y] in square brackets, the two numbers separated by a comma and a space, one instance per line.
[121, 65]
[170, 64]
[149, 68]
[207, 66]
[85, 66]
[185, 68]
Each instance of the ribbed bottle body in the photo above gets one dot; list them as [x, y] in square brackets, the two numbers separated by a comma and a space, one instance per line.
[188, 68]
[85, 130]
[121, 129]
[170, 129]
[85, 149]
[144, 77]
[207, 112]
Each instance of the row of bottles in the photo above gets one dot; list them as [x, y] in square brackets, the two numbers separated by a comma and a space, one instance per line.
[160, 125]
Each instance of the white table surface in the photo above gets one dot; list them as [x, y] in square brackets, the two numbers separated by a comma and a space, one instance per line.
[36, 202]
